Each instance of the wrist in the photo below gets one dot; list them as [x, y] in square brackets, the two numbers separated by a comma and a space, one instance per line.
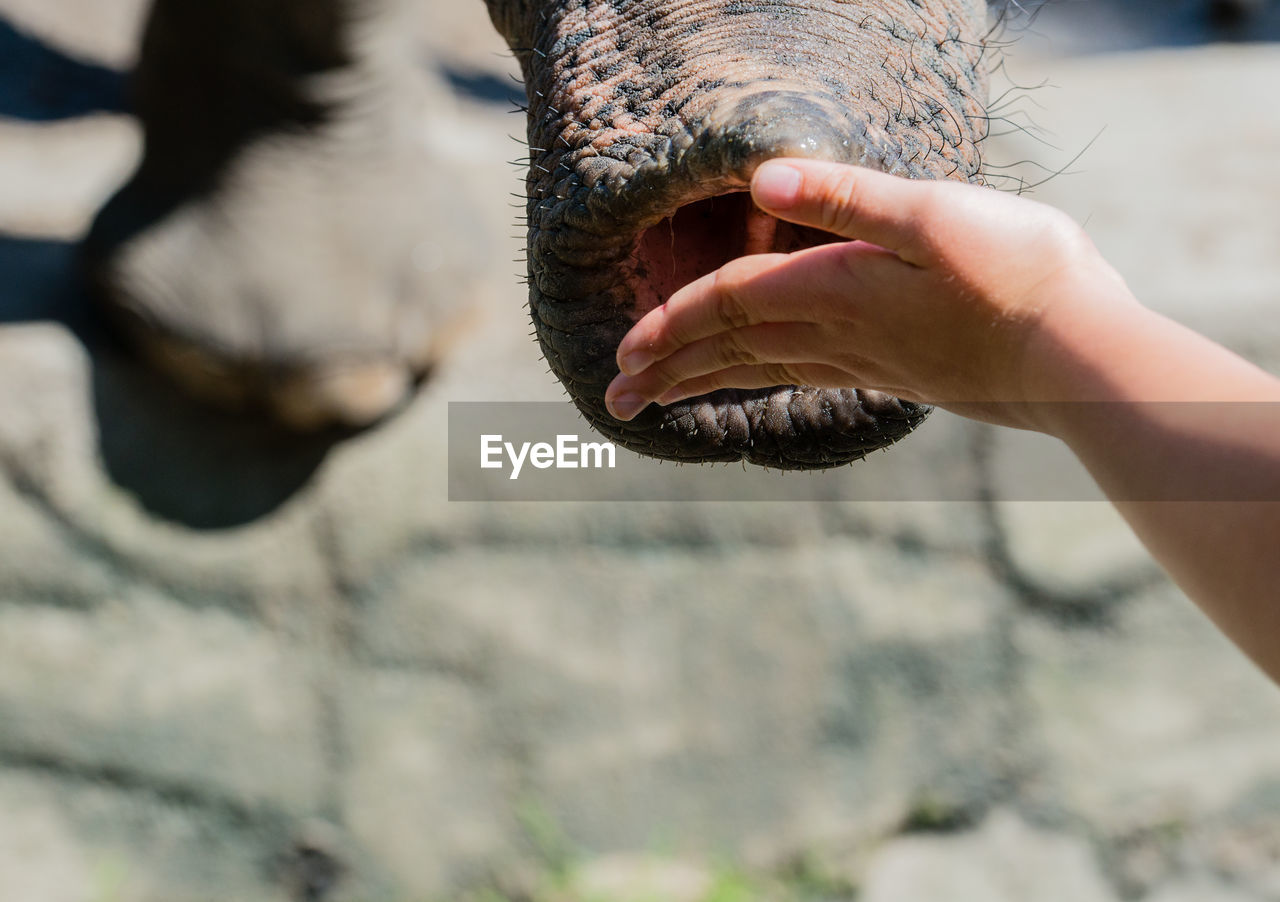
[1076, 348]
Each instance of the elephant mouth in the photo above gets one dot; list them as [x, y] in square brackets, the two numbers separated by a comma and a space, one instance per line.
[783, 427]
[700, 237]
[603, 259]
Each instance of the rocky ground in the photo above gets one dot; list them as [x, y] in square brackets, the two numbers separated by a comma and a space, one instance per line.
[233, 667]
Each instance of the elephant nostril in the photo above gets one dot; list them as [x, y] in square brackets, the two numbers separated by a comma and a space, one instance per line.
[700, 237]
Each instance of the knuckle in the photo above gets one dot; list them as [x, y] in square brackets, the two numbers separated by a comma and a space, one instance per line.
[664, 379]
[778, 374]
[731, 308]
[731, 311]
[840, 196]
[734, 274]
[1064, 237]
[935, 202]
[1074, 239]
[933, 215]
[734, 351]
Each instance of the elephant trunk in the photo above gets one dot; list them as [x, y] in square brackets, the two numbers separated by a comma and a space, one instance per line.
[646, 122]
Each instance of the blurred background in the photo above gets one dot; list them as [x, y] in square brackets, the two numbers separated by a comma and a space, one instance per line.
[240, 667]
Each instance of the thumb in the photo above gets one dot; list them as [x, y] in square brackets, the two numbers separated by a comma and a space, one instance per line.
[850, 201]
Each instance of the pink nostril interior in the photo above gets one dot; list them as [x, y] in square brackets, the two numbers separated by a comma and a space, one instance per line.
[701, 237]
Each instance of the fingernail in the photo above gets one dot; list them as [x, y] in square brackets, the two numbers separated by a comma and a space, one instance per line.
[635, 362]
[625, 407]
[776, 185]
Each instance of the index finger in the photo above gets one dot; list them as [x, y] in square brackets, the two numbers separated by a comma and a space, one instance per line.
[705, 306]
[850, 201]
[808, 286]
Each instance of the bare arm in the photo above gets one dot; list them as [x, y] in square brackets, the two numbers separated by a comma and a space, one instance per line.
[1000, 309]
[1189, 422]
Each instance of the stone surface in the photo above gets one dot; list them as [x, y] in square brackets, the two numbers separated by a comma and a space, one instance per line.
[1004, 861]
[156, 693]
[427, 793]
[106, 31]
[1080, 551]
[622, 675]
[1201, 890]
[946, 527]
[38, 859]
[53, 176]
[46, 435]
[52, 441]
[42, 562]
[639, 878]
[1243, 847]
[71, 840]
[1154, 720]
[236, 668]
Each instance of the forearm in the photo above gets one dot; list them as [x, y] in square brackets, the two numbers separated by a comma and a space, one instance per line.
[1004, 307]
[1184, 438]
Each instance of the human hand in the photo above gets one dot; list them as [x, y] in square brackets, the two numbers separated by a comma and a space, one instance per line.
[938, 297]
